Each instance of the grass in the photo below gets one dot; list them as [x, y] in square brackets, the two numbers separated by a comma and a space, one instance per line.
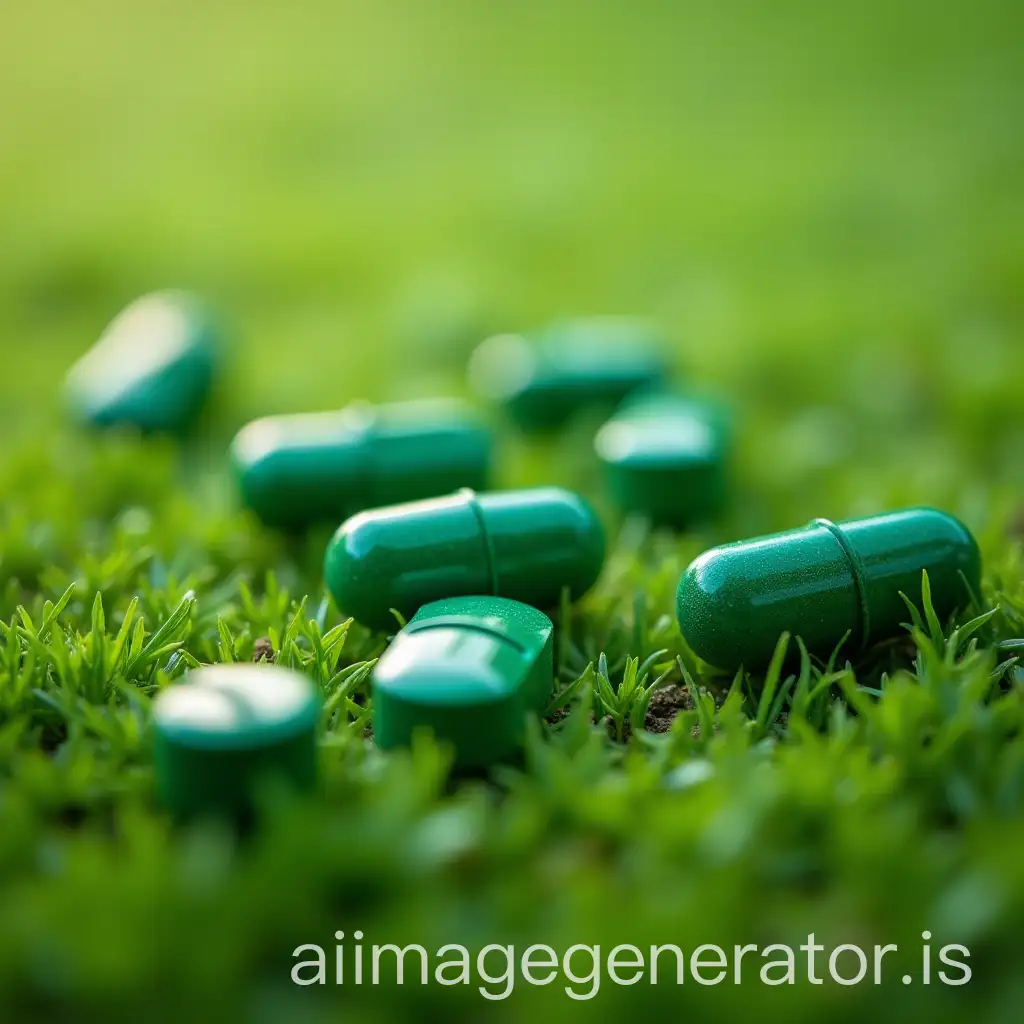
[824, 210]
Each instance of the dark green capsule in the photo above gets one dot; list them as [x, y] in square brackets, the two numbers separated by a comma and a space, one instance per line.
[226, 729]
[821, 581]
[469, 669]
[526, 545]
[152, 369]
[664, 457]
[544, 380]
[294, 471]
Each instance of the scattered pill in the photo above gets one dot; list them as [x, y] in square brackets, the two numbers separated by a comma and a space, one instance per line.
[545, 380]
[525, 545]
[225, 729]
[822, 580]
[470, 669]
[152, 368]
[664, 456]
[294, 471]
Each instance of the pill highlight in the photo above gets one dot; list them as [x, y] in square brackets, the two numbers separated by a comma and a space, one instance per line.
[225, 729]
[470, 669]
[152, 368]
[822, 580]
[526, 545]
[295, 471]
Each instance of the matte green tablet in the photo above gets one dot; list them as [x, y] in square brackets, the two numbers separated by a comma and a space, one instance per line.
[545, 379]
[527, 545]
[152, 369]
[468, 669]
[294, 471]
[822, 580]
[225, 728]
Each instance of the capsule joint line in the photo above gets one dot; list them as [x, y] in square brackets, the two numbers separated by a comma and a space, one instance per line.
[485, 537]
[859, 576]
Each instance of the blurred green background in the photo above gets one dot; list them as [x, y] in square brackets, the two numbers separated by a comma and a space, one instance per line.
[823, 206]
[799, 192]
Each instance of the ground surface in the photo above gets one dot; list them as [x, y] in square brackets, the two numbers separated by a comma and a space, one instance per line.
[824, 209]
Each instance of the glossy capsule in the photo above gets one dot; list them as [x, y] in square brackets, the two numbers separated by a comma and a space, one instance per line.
[226, 729]
[526, 545]
[294, 471]
[152, 368]
[822, 580]
[469, 669]
[544, 380]
[664, 457]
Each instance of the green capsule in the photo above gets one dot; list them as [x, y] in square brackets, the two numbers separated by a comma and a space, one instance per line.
[545, 380]
[224, 730]
[294, 471]
[525, 545]
[470, 669]
[821, 581]
[152, 369]
[664, 457]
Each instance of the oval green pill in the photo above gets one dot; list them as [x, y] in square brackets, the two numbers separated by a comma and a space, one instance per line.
[821, 581]
[525, 545]
[152, 368]
[294, 471]
[546, 379]
[225, 729]
[470, 669]
[664, 457]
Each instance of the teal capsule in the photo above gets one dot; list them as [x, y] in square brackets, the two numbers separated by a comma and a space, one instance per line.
[152, 369]
[294, 471]
[469, 669]
[664, 457]
[222, 732]
[822, 581]
[545, 380]
[526, 545]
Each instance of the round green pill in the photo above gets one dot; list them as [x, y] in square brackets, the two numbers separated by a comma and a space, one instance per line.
[821, 581]
[525, 545]
[470, 669]
[664, 457]
[545, 380]
[294, 471]
[152, 369]
[224, 730]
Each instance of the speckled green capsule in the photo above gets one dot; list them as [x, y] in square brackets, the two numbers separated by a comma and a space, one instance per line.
[821, 581]
[470, 669]
[664, 457]
[152, 369]
[526, 545]
[544, 380]
[294, 471]
[226, 729]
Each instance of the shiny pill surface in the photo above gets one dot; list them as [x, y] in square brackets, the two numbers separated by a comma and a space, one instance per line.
[469, 669]
[543, 380]
[152, 368]
[225, 728]
[664, 456]
[526, 545]
[294, 471]
[822, 580]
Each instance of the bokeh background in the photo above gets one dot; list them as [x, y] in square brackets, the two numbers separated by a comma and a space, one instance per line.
[822, 205]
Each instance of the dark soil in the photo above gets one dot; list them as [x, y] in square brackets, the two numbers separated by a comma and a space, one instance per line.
[665, 704]
[263, 650]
